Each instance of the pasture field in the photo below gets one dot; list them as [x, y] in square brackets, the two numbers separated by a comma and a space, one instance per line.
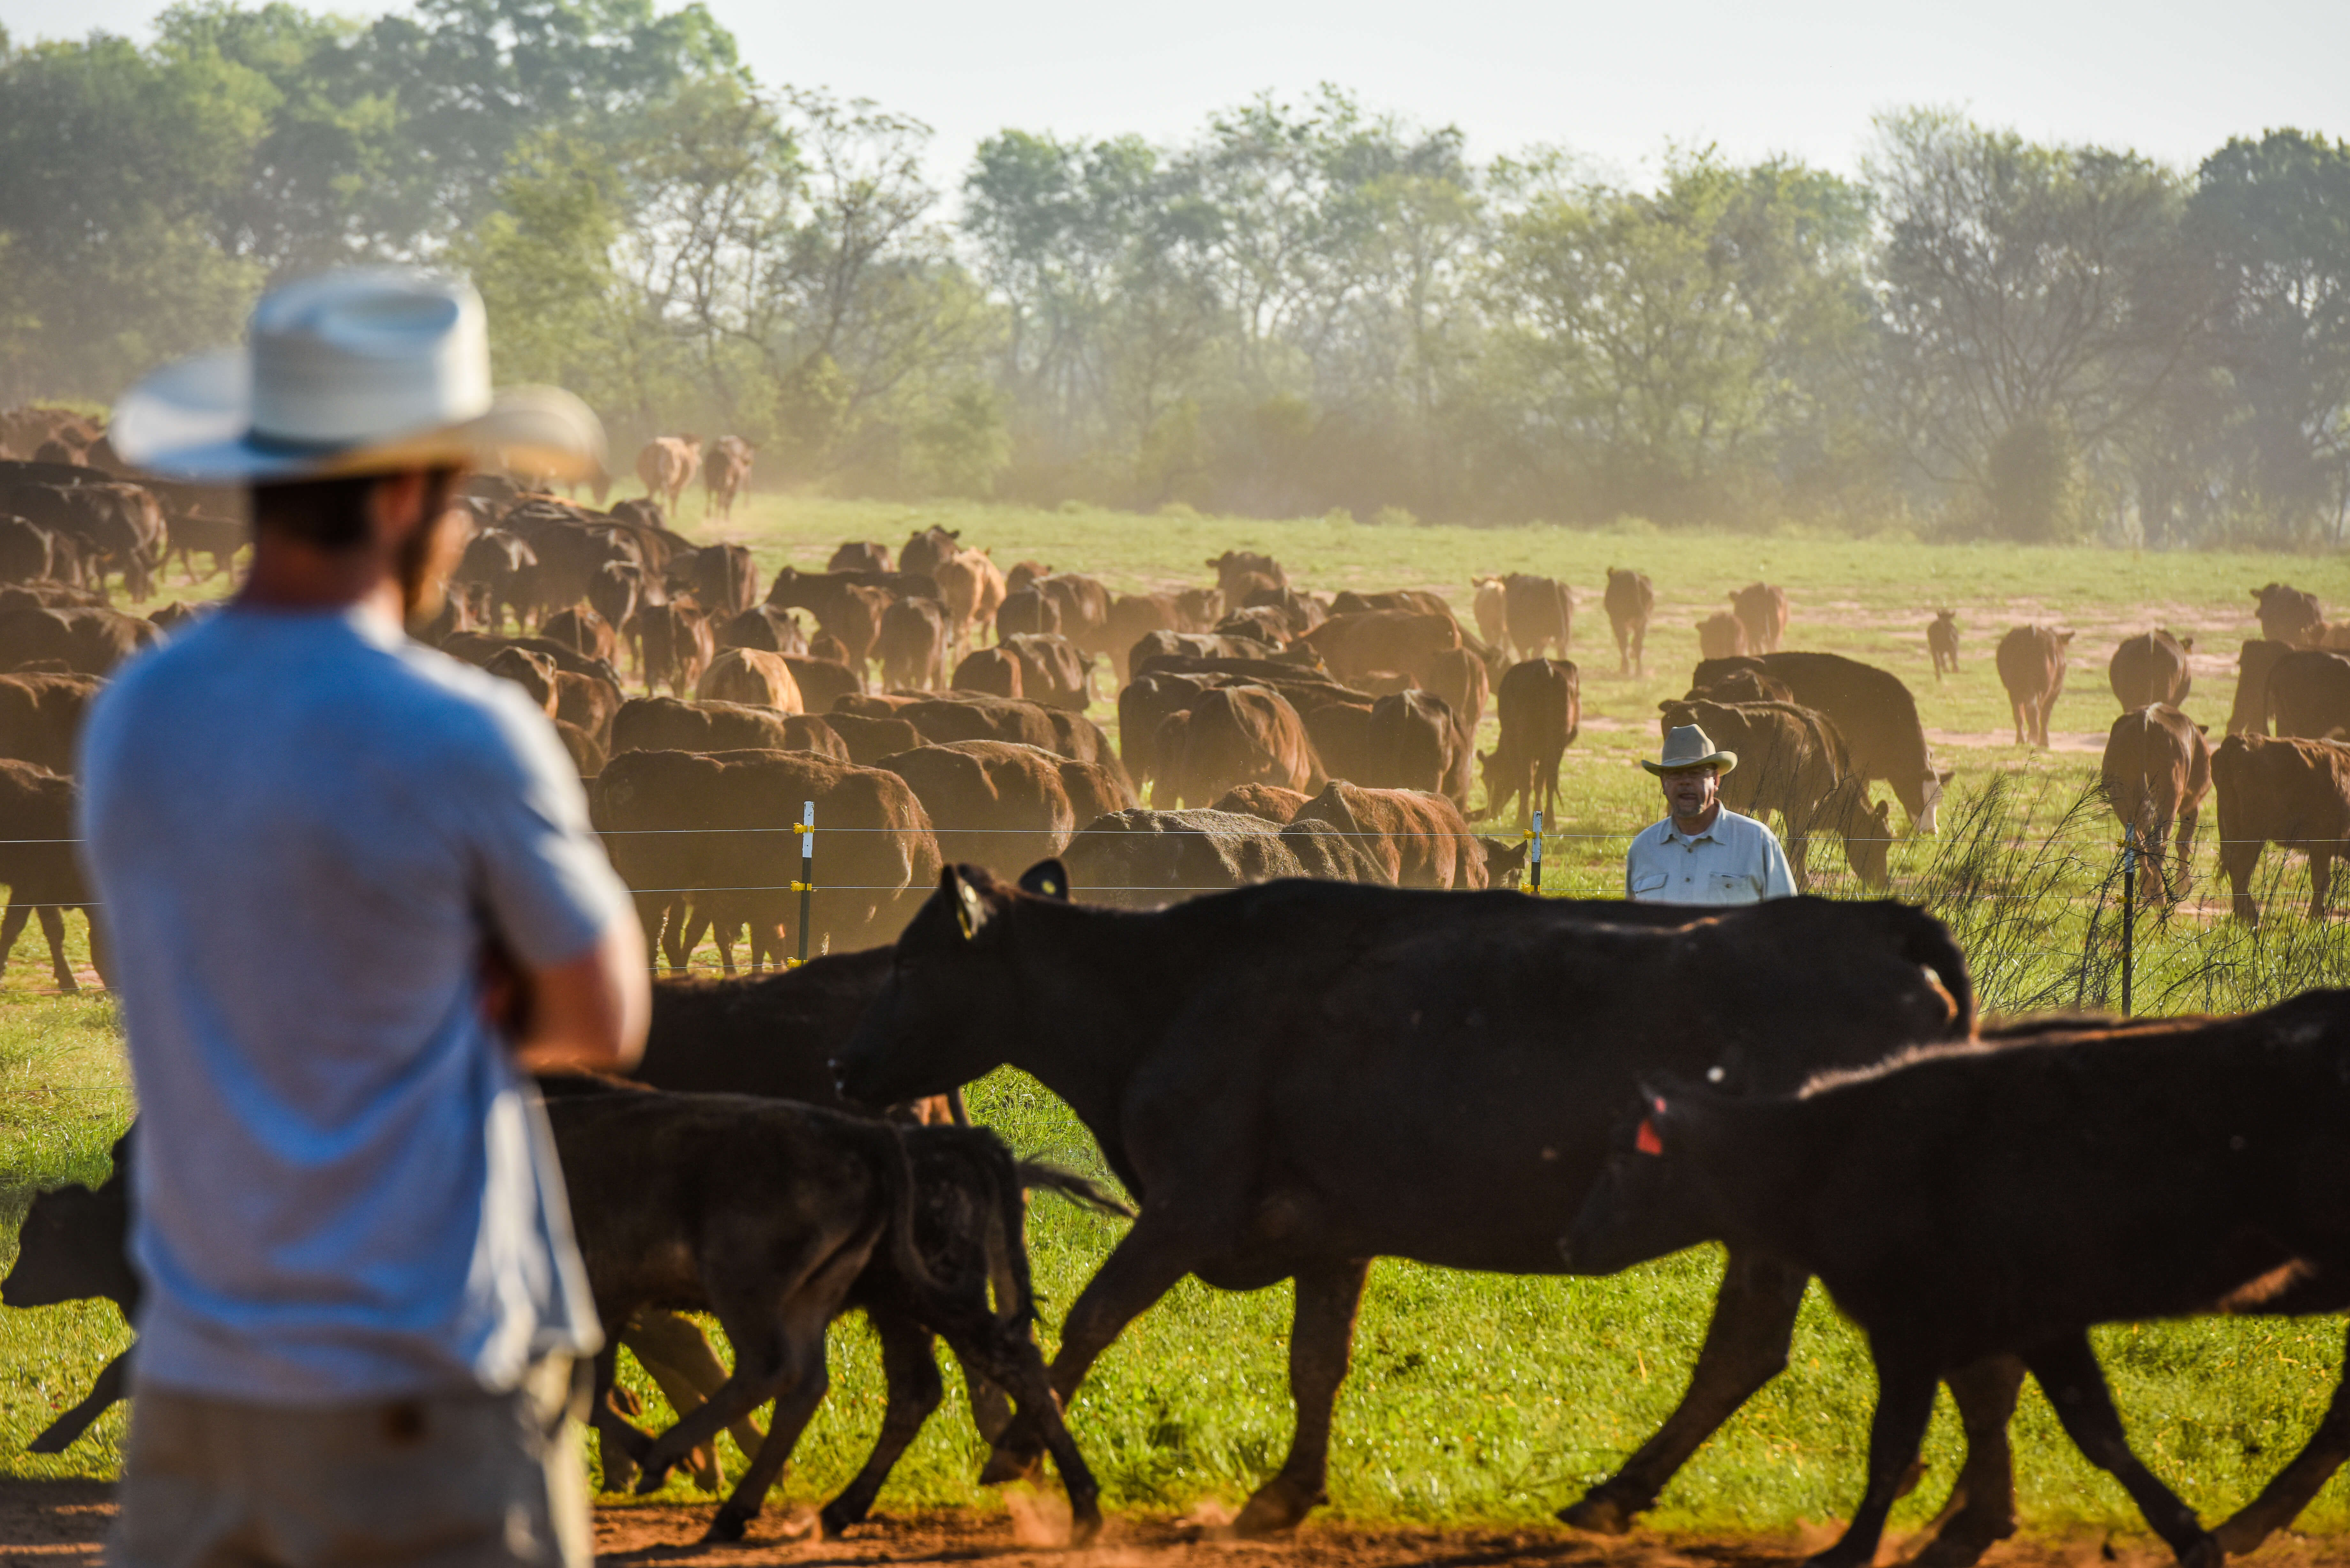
[1497, 1399]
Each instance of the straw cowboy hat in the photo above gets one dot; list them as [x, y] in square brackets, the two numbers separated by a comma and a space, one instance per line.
[1690, 747]
[356, 371]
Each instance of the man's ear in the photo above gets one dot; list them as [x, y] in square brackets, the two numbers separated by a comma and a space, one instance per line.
[1046, 880]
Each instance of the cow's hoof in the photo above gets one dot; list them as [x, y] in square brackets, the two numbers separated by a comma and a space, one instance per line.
[2203, 1551]
[836, 1521]
[1005, 1466]
[1085, 1525]
[1598, 1513]
[707, 1473]
[724, 1526]
[1278, 1506]
[1961, 1542]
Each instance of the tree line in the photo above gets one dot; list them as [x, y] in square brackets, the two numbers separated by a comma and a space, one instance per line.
[1302, 308]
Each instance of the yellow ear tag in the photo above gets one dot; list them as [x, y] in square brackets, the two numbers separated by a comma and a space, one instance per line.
[967, 914]
[1052, 889]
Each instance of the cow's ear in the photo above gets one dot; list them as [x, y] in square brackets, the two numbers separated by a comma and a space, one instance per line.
[1946, 775]
[1046, 880]
[2202, 728]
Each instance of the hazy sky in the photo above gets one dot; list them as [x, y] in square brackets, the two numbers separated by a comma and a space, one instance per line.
[1616, 82]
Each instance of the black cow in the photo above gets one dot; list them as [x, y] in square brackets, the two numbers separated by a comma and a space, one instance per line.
[1381, 1071]
[2138, 1172]
[71, 1248]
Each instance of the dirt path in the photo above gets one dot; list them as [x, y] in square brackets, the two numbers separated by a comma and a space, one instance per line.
[52, 1524]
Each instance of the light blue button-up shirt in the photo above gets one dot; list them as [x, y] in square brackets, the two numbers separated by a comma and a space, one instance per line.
[1737, 860]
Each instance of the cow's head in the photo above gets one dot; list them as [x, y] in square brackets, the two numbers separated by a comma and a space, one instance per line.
[70, 1248]
[1647, 1201]
[950, 1009]
[1932, 791]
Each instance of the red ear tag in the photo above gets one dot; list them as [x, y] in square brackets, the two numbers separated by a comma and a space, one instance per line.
[1648, 1142]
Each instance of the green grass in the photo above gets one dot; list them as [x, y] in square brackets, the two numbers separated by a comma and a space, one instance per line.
[1485, 1397]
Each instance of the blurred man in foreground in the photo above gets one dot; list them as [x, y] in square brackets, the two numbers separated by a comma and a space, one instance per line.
[328, 855]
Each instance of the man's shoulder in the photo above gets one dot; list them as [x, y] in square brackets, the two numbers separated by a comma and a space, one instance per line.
[1744, 827]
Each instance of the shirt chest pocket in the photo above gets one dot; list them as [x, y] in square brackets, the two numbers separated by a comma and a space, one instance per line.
[1727, 884]
[1648, 882]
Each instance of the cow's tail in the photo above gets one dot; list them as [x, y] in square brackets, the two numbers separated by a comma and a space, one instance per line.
[1007, 1244]
[1928, 943]
[900, 1196]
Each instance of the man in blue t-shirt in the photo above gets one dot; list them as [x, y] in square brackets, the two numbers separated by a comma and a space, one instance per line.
[356, 899]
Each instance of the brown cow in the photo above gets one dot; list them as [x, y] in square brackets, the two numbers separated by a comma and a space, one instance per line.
[1084, 605]
[1722, 635]
[1761, 609]
[1631, 600]
[927, 548]
[1414, 741]
[913, 643]
[88, 639]
[973, 590]
[668, 724]
[1871, 708]
[2031, 667]
[1417, 839]
[848, 610]
[726, 476]
[667, 464]
[2295, 793]
[995, 670]
[721, 822]
[1238, 572]
[2286, 614]
[2157, 771]
[823, 682]
[581, 627]
[673, 647]
[2151, 669]
[1398, 640]
[1139, 859]
[1462, 679]
[1539, 612]
[721, 578]
[1541, 707]
[2249, 713]
[765, 628]
[748, 676]
[991, 802]
[860, 556]
[1491, 607]
[1026, 610]
[40, 718]
[590, 701]
[535, 672]
[1942, 641]
[1053, 670]
[2309, 693]
[1270, 802]
[1233, 735]
[1130, 616]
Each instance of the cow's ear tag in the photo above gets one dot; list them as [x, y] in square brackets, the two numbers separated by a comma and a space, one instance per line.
[1648, 1142]
[968, 912]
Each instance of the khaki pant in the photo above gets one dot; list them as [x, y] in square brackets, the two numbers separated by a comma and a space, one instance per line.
[451, 1480]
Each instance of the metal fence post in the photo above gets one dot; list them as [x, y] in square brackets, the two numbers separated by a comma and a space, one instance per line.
[2129, 908]
[807, 869]
[1534, 856]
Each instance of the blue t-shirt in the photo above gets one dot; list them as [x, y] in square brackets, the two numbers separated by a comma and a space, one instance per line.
[301, 828]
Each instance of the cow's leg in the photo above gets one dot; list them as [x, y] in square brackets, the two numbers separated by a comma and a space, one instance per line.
[1745, 1347]
[619, 1445]
[2282, 1501]
[799, 1389]
[1148, 1262]
[53, 931]
[1321, 1343]
[2186, 851]
[2069, 1375]
[1003, 1356]
[2321, 877]
[671, 1349]
[1906, 1382]
[2238, 858]
[1981, 1506]
[909, 1364]
[112, 1385]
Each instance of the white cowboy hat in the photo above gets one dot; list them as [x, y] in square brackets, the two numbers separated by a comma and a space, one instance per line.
[358, 370]
[1687, 746]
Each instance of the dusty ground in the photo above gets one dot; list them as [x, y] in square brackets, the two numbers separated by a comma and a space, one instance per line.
[50, 1524]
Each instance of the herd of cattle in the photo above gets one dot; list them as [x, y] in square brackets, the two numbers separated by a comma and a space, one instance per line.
[1380, 1066]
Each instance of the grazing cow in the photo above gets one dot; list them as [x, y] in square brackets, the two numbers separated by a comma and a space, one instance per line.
[993, 670]
[927, 549]
[1053, 670]
[2309, 694]
[1136, 859]
[972, 591]
[1539, 612]
[1631, 600]
[38, 863]
[1491, 607]
[913, 644]
[665, 466]
[581, 628]
[1791, 759]
[2151, 669]
[1869, 707]
[675, 646]
[1541, 706]
[777, 1218]
[74, 1245]
[1418, 839]
[860, 556]
[748, 676]
[848, 610]
[1761, 609]
[1721, 635]
[2249, 713]
[726, 476]
[2157, 771]
[2293, 792]
[667, 724]
[1414, 741]
[40, 718]
[1464, 681]
[1399, 640]
[1271, 802]
[2031, 667]
[1942, 641]
[993, 803]
[189, 533]
[1233, 735]
[1238, 572]
[721, 578]
[721, 821]
[1027, 610]
[2287, 614]
[1350, 1023]
[2136, 1172]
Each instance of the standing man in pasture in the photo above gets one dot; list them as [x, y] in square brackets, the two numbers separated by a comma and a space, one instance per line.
[1704, 852]
[357, 898]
